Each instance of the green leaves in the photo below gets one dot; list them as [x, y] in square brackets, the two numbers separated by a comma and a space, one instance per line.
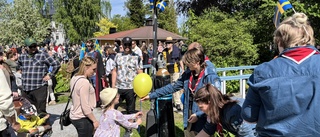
[20, 20]
[78, 17]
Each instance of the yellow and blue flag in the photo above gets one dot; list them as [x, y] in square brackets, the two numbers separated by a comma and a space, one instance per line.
[161, 5]
[82, 51]
[97, 47]
[151, 4]
[282, 5]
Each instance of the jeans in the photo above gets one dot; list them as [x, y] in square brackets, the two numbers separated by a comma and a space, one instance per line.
[130, 98]
[84, 127]
[38, 98]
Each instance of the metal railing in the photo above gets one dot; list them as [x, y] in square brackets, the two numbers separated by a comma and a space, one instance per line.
[241, 77]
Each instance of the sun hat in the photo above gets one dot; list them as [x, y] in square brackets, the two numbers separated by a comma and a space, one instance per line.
[169, 40]
[107, 95]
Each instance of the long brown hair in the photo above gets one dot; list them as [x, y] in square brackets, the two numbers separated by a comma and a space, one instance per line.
[215, 99]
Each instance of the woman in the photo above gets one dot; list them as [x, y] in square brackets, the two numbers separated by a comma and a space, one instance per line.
[284, 93]
[111, 54]
[223, 111]
[84, 99]
[198, 74]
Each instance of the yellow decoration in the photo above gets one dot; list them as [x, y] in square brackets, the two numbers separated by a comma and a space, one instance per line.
[142, 84]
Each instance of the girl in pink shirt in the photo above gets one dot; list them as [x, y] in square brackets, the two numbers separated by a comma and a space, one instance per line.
[111, 119]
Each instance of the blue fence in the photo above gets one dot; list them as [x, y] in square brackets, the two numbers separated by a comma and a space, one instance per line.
[241, 77]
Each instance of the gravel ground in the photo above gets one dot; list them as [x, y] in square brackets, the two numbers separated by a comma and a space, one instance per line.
[69, 131]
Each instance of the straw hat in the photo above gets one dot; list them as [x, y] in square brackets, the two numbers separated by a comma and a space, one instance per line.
[169, 40]
[107, 95]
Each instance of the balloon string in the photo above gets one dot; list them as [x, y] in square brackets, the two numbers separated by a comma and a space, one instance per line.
[140, 111]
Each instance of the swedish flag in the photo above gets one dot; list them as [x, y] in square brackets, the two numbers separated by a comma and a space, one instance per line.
[161, 5]
[151, 4]
[282, 6]
[97, 47]
[82, 51]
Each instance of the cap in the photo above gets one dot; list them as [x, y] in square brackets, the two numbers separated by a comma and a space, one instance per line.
[29, 41]
[126, 40]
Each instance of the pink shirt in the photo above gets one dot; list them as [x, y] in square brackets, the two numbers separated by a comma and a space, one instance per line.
[110, 122]
[83, 98]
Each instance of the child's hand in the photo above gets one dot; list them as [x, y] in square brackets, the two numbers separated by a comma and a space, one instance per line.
[138, 115]
[139, 121]
[47, 116]
[33, 131]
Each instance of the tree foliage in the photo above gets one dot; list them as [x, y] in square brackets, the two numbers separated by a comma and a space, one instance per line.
[260, 10]
[122, 22]
[168, 19]
[78, 17]
[227, 40]
[22, 19]
[104, 26]
[137, 12]
[106, 8]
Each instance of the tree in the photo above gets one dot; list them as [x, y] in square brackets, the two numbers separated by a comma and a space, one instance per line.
[104, 24]
[137, 12]
[106, 8]
[78, 17]
[122, 22]
[20, 20]
[227, 40]
[168, 19]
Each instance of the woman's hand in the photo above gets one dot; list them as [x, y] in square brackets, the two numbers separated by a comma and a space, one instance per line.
[193, 118]
[95, 124]
[145, 98]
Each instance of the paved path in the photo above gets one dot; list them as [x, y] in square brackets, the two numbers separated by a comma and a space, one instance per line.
[69, 131]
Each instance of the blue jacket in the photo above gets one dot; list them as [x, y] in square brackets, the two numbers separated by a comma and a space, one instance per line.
[284, 94]
[210, 76]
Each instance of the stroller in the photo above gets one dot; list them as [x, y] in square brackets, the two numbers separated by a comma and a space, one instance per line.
[24, 108]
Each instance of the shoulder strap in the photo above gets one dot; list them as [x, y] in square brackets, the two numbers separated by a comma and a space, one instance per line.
[65, 109]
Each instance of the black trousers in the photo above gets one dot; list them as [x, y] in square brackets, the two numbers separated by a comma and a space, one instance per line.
[38, 98]
[130, 98]
[84, 127]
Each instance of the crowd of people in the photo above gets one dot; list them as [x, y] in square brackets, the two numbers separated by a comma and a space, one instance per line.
[282, 96]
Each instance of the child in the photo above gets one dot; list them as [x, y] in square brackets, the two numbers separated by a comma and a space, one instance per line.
[111, 119]
[223, 111]
[30, 123]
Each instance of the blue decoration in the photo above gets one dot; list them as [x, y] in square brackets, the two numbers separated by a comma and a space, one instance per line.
[161, 5]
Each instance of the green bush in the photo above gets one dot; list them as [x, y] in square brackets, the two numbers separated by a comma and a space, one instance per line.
[63, 79]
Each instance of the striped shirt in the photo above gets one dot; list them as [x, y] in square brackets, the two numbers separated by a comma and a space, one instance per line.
[35, 68]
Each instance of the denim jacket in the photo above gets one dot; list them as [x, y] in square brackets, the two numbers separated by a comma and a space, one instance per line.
[284, 94]
[210, 76]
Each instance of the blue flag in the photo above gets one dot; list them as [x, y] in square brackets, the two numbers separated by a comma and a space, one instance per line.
[161, 5]
[282, 6]
[82, 51]
[151, 4]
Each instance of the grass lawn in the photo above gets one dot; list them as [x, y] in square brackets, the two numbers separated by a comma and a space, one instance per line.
[145, 107]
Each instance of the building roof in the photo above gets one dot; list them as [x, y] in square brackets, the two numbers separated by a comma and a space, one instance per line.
[142, 33]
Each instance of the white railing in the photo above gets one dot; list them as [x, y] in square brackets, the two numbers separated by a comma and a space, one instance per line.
[241, 77]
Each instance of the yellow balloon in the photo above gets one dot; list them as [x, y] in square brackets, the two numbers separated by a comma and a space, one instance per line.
[142, 84]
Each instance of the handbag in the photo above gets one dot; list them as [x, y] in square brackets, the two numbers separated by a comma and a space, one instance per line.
[64, 117]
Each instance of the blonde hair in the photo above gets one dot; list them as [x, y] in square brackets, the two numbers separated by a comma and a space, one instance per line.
[193, 56]
[294, 31]
[85, 62]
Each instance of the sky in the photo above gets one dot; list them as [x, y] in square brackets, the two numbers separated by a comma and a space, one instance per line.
[119, 8]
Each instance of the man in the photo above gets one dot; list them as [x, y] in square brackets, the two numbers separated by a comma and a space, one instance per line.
[7, 112]
[35, 75]
[136, 49]
[127, 66]
[100, 71]
[172, 56]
